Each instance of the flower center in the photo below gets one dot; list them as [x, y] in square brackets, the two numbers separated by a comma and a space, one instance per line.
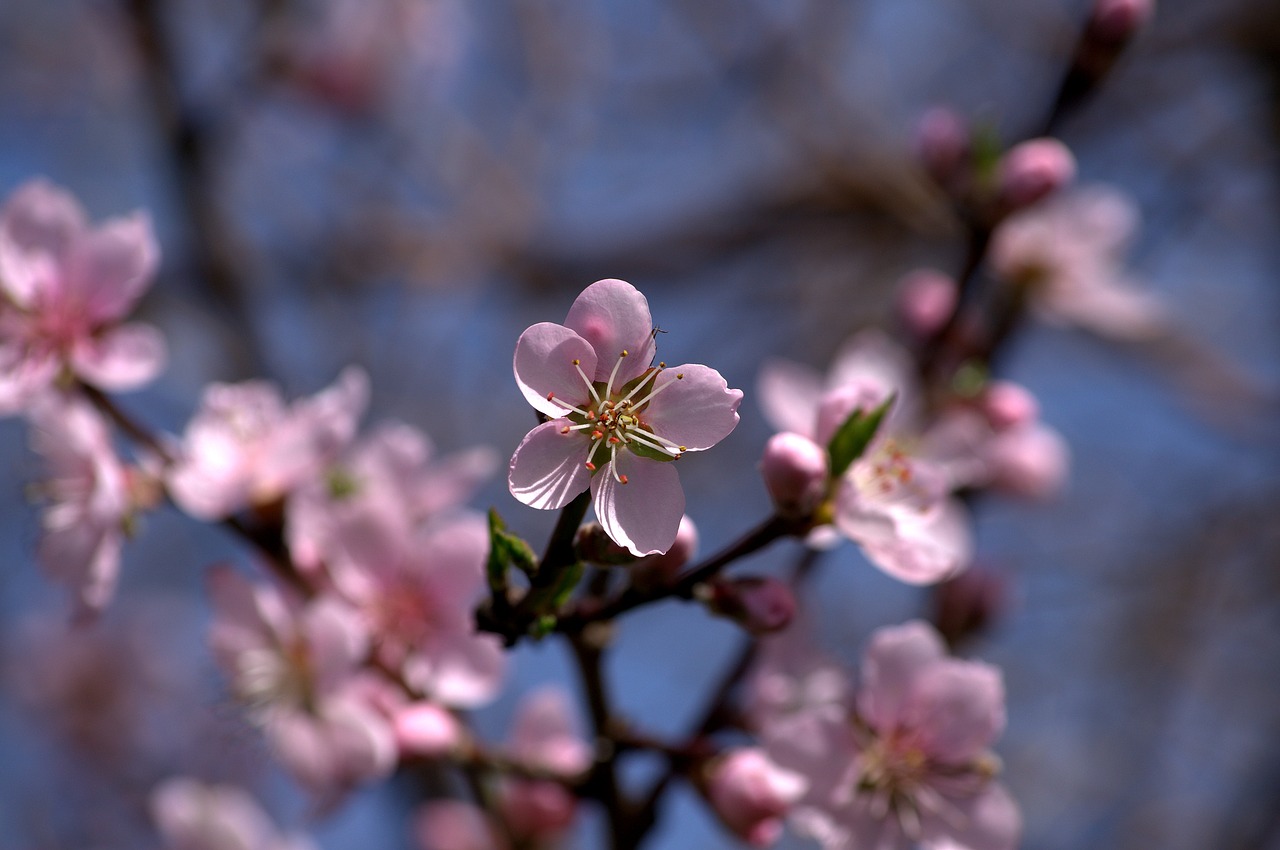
[614, 417]
[889, 474]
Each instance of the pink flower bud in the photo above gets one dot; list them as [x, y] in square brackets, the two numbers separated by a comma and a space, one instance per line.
[942, 142]
[795, 473]
[926, 299]
[536, 811]
[1006, 405]
[1030, 462]
[1033, 170]
[425, 729]
[751, 794]
[1116, 21]
[761, 605]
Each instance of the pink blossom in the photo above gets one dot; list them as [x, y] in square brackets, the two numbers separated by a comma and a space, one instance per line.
[795, 471]
[1069, 251]
[415, 594]
[911, 763]
[545, 736]
[455, 825]
[893, 501]
[192, 815]
[426, 729]
[925, 301]
[83, 526]
[298, 668]
[246, 447]
[616, 421]
[760, 604]
[1033, 170]
[65, 288]
[751, 794]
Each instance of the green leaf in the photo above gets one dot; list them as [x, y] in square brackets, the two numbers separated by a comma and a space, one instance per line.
[505, 550]
[852, 438]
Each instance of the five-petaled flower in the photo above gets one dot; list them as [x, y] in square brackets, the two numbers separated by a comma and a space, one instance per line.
[616, 420]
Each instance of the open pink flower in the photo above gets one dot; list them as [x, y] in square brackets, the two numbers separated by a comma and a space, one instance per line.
[616, 421]
[246, 447]
[751, 794]
[546, 736]
[65, 288]
[192, 815]
[910, 765]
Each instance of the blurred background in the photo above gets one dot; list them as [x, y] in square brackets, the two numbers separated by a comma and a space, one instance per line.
[408, 184]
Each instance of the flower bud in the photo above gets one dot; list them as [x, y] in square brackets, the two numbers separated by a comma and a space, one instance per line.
[760, 604]
[1033, 170]
[427, 730]
[942, 142]
[594, 545]
[795, 473]
[1116, 21]
[536, 810]
[1007, 405]
[926, 299]
[751, 794]
[655, 570]
[969, 603]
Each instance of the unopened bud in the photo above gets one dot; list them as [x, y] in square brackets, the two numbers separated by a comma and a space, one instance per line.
[968, 604]
[426, 730]
[942, 142]
[1033, 170]
[795, 473]
[751, 794]
[594, 545]
[661, 570]
[760, 604]
[926, 299]
[1114, 22]
[1007, 405]
[536, 811]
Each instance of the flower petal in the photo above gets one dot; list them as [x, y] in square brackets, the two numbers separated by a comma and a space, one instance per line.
[986, 821]
[918, 547]
[112, 265]
[39, 225]
[896, 659]
[548, 468]
[459, 670]
[693, 406]
[789, 394]
[544, 367]
[614, 317]
[123, 358]
[644, 514]
[958, 708]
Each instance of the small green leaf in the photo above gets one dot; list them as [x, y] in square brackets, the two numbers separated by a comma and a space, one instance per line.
[852, 438]
[505, 550]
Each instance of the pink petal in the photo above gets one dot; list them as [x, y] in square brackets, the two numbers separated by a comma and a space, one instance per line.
[697, 410]
[85, 557]
[917, 547]
[987, 821]
[546, 732]
[789, 394]
[123, 358]
[644, 514]
[958, 710]
[544, 367]
[112, 266]
[336, 638]
[613, 316]
[547, 469]
[459, 670]
[23, 375]
[39, 226]
[897, 658]
[190, 814]
[453, 825]
[454, 553]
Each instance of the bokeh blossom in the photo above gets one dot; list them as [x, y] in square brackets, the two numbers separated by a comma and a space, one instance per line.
[616, 421]
[546, 736]
[193, 815]
[65, 290]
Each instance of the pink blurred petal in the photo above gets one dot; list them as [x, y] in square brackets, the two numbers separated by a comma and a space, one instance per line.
[543, 366]
[122, 358]
[613, 316]
[959, 708]
[461, 671]
[895, 659]
[112, 266]
[547, 469]
[697, 410]
[644, 514]
[39, 226]
[988, 820]
[789, 395]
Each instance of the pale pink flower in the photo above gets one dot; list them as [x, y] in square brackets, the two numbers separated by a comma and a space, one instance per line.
[390, 475]
[616, 421]
[893, 501]
[415, 594]
[752, 794]
[545, 736]
[193, 815]
[298, 667]
[1069, 251]
[65, 288]
[910, 765]
[427, 730]
[88, 495]
[455, 825]
[246, 447]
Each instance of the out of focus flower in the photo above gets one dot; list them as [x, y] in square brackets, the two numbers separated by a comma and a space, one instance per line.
[1033, 170]
[942, 142]
[89, 499]
[893, 502]
[617, 422]
[426, 729]
[751, 794]
[455, 825]
[926, 299]
[1068, 253]
[795, 471]
[909, 764]
[298, 668]
[245, 447]
[545, 736]
[65, 289]
[760, 604]
[192, 815]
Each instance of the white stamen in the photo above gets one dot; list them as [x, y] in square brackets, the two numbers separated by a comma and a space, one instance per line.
[577, 364]
[608, 387]
[657, 389]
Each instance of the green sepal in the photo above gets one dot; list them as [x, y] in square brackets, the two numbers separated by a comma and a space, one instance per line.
[505, 550]
[984, 141]
[852, 438]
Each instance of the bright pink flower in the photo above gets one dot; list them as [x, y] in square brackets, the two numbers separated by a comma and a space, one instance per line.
[192, 815]
[455, 825]
[1069, 250]
[546, 736]
[299, 669]
[752, 795]
[245, 447]
[415, 594]
[616, 421]
[87, 487]
[65, 288]
[893, 501]
[911, 762]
